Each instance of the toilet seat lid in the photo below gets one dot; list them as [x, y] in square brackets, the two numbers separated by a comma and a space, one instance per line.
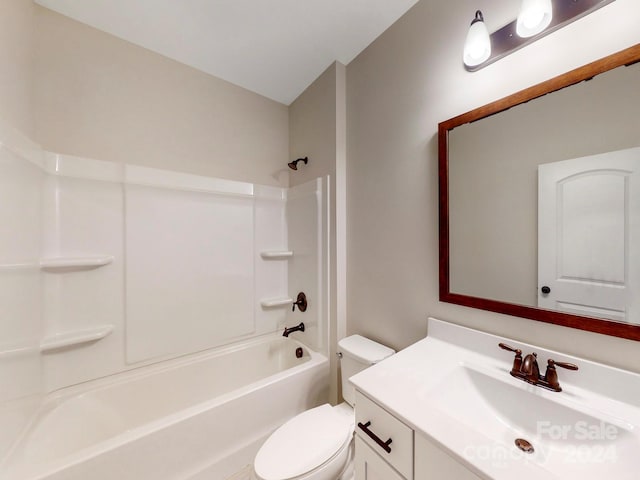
[303, 443]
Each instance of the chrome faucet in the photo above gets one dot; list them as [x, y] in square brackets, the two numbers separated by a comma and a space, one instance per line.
[297, 328]
[528, 370]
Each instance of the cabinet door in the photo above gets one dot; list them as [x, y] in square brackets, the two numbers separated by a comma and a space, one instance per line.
[370, 466]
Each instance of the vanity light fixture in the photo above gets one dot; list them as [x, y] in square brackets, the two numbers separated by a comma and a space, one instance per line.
[477, 46]
[536, 19]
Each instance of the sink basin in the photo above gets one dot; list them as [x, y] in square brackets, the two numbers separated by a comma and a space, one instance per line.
[568, 440]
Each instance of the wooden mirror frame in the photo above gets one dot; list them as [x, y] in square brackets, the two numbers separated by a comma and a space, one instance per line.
[606, 327]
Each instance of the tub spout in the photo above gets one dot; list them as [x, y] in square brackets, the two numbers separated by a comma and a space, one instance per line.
[297, 328]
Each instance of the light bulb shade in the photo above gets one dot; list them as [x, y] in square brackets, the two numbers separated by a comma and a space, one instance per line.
[534, 17]
[477, 46]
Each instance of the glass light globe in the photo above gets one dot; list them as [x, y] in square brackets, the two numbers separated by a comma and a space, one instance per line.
[534, 17]
[477, 46]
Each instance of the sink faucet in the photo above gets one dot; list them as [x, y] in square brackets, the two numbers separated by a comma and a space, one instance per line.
[297, 328]
[528, 370]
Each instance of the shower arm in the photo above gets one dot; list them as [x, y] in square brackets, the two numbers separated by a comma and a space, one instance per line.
[294, 165]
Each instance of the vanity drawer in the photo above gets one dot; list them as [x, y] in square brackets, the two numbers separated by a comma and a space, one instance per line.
[373, 421]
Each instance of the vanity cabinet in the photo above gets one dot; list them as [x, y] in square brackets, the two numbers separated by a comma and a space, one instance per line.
[409, 455]
[370, 466]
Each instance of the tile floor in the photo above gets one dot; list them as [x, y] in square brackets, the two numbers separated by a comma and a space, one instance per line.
[244, 474]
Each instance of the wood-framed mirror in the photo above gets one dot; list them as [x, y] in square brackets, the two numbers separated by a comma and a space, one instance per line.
[539, 201]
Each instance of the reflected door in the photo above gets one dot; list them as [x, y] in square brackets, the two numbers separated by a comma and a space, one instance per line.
[588, 221]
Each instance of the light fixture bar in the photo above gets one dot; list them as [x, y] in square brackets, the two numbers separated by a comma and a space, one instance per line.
[506, 41]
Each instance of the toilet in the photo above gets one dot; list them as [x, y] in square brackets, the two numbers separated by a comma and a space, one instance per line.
[318, 443]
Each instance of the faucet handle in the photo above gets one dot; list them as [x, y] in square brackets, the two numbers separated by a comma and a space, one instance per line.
[301, 302]
[568, 366]
[504, 346]
[517, 361]
[551, 376]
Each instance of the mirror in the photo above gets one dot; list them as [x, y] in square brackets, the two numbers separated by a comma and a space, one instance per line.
[540, 201]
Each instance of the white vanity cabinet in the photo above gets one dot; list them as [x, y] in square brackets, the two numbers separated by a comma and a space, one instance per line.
[408, 456]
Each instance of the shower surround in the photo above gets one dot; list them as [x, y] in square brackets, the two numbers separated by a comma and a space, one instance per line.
[106, 267]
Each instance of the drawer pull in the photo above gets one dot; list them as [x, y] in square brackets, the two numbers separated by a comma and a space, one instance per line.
[384, 445]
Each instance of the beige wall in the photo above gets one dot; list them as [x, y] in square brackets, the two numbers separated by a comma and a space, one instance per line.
[100, 97]
[317, 128]
[398, 90]
[16, 58]
[312, 128]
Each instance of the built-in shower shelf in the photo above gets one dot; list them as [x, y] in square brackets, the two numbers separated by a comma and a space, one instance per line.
[276, 254]
[74, 337]
[9, 267]
[75, 263]
[277, 302]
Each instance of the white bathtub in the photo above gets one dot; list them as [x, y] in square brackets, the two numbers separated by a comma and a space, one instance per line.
[200, 417]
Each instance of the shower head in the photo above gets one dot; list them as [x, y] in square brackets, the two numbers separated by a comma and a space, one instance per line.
[294, 165]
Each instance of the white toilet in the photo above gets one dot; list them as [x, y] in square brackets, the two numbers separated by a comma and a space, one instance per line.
[318, 444]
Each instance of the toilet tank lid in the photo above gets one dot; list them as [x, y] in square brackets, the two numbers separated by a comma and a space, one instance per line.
[363, 349]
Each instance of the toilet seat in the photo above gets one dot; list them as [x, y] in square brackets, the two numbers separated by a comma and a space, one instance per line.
[304, 443]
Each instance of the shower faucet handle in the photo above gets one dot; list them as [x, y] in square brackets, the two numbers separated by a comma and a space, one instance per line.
[301, 302]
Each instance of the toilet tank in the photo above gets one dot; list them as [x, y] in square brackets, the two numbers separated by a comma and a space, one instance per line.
[358, 353]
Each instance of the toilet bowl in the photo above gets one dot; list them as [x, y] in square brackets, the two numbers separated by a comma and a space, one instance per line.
[315, 445]
[318, 443]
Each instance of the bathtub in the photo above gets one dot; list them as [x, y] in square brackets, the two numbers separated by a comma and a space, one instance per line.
[198, 417]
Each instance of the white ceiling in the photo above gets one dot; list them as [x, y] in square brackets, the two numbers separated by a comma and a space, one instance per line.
[273, 47]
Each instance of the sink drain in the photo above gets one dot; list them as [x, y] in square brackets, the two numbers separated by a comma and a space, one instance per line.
[524, 445]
